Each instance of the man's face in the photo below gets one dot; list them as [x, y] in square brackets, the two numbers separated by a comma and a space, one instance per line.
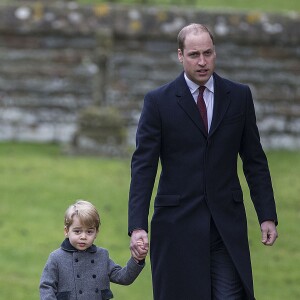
[198, 57]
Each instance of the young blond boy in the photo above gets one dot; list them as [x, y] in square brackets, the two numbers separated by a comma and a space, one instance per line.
[79, 269]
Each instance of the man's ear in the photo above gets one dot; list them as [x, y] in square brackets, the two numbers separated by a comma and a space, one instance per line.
[180, 55]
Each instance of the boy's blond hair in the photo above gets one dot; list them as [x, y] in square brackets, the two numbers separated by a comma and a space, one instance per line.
[86, 212]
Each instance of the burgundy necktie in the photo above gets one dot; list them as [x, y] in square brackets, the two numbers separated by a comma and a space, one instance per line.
[202, 107]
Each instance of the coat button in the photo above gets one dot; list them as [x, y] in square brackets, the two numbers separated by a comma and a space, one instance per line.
[94, 276]
[76, 259]
[78, 276]
[96, 290]
[80, 291]
[92, 261]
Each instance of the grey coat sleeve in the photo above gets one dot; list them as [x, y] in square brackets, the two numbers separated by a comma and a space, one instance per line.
[49, 280]
[126, 275]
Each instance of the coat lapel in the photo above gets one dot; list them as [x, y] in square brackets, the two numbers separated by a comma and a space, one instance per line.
[221, 102]
[187, 103]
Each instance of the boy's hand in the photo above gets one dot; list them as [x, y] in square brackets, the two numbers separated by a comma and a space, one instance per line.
[139, 244]
[142, 248]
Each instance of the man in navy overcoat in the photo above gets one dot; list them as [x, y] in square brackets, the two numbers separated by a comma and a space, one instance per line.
[199, 243]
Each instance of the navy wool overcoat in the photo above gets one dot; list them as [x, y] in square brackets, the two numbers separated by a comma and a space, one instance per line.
[198, 181]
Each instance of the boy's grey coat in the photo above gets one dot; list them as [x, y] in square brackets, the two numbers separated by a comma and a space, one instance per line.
[70, 274]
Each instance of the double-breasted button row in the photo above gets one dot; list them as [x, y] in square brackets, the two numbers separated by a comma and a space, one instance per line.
[94, 276]
[92, 261]
[96, 291]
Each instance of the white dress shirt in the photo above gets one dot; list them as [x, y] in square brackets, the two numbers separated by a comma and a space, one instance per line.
[208, 95]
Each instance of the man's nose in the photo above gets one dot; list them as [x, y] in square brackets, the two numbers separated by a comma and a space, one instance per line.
[201, 61]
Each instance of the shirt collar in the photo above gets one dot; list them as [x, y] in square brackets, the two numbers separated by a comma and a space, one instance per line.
[193, 86]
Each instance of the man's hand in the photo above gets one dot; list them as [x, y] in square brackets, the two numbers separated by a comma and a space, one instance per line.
[139, 250]
[268, 232]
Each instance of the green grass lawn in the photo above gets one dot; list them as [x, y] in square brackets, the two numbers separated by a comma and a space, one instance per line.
[37, 183]
[256, 5]
[271, 5]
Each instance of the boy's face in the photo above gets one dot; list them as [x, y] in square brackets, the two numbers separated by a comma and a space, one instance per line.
[80, 236]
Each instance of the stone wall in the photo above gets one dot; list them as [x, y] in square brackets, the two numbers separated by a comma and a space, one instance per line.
[58, 61]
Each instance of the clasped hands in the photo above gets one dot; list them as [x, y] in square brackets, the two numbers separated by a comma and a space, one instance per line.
[139, 244]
